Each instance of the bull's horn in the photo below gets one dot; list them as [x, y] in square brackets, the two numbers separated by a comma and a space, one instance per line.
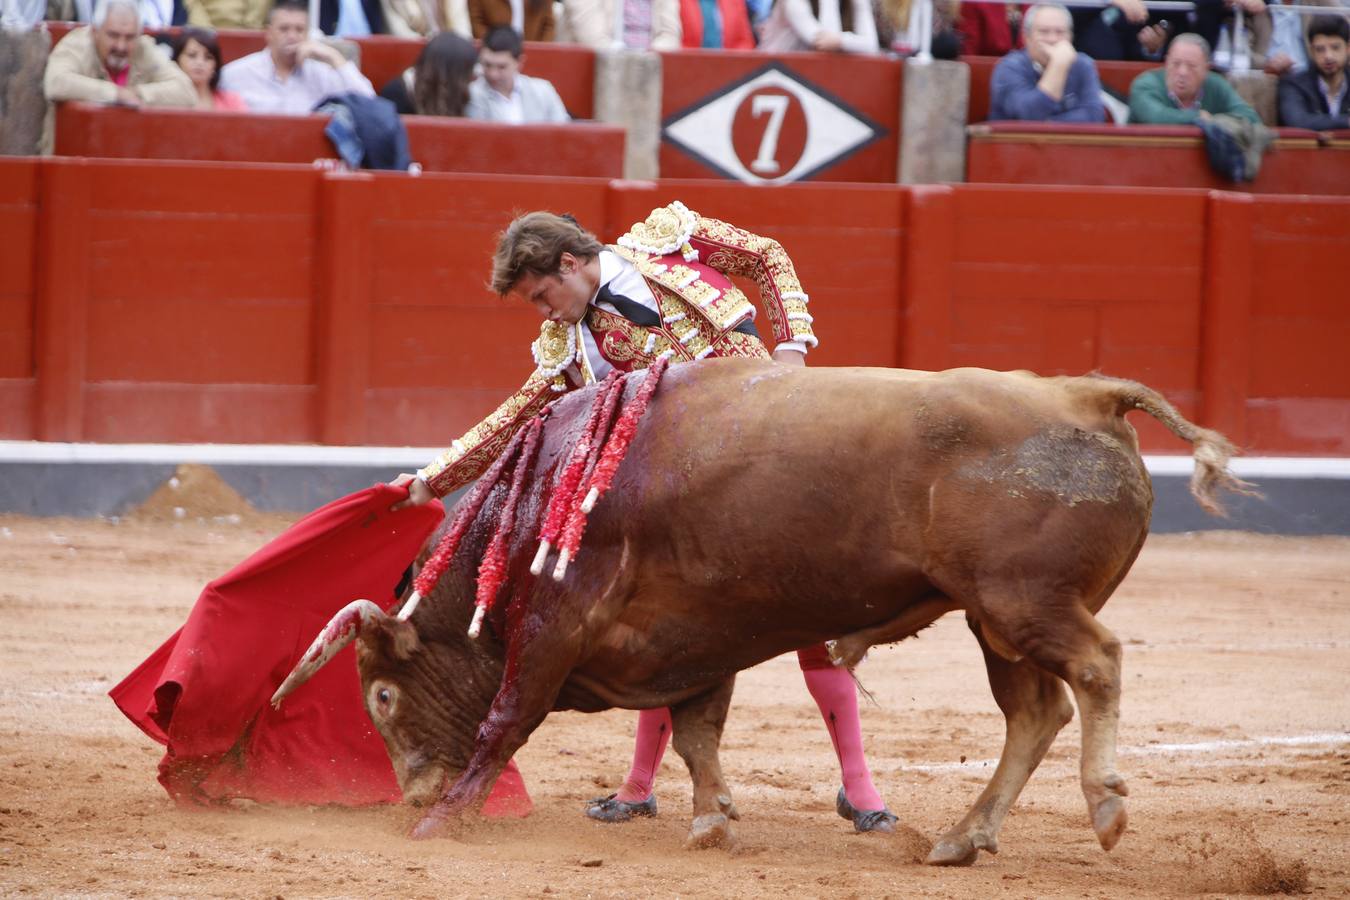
[337, 634]
[413, 599]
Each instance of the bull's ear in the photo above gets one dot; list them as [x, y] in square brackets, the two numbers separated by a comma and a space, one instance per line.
[403, 638]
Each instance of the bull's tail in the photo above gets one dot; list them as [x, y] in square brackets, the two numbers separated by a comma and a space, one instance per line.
[1212, 451]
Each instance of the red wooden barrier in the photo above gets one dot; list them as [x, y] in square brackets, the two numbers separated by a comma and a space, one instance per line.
[1144, 156]
[763, 119]
[19, 184]
[439, 144]
[201, 302]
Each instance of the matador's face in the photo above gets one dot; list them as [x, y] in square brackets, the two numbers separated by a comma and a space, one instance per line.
[564, 296]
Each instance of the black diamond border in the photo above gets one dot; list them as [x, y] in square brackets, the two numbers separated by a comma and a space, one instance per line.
[878, 132]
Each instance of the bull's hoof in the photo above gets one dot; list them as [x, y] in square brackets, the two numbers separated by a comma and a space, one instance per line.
[1109, 820]
[725, 804]
[882, 820]
[608, 809]
[960, 849]
[712, 830]
[433, 824]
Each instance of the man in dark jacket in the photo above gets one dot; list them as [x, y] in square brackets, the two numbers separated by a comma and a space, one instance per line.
[1318, 98]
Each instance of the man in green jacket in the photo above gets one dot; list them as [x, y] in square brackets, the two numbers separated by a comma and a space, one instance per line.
[1185, 91]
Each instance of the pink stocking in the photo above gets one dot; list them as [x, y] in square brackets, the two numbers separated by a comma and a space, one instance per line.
[833, 690]
[653, 734]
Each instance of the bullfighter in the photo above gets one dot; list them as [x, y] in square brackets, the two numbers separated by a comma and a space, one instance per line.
[663, 290]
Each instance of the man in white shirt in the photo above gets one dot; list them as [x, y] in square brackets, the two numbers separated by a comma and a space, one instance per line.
[293, 73]
[503, 94]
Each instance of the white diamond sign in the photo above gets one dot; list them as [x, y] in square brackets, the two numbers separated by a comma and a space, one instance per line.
[771, 127]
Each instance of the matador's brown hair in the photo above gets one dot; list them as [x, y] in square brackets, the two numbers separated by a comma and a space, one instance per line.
[534, 244]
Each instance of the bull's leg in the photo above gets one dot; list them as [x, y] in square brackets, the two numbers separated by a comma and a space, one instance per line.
[1093, 671]
[1036, 707]
[697, 734]
[1063, 637]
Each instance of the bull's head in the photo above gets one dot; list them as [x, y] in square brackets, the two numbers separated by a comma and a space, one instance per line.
[425, 697]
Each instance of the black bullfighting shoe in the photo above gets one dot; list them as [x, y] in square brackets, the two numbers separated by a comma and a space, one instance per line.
[607, 809]
[865, 819]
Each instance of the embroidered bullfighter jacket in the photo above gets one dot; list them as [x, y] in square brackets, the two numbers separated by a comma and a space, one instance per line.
[687, 261]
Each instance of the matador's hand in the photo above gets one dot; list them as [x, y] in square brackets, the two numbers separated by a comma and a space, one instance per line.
[418, 492]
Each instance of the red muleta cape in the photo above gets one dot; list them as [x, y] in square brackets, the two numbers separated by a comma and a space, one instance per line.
[204, 693]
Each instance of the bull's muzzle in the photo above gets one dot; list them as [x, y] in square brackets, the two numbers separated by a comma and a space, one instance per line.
[338, 633]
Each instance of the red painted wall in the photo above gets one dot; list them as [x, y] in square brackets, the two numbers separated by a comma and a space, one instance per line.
[209, 302]
[439, 144]
[1146, 156]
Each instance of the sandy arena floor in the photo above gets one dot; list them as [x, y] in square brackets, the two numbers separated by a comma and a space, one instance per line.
[1235, 742]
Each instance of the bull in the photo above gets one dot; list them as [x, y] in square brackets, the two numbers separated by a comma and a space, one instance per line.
[764, 508]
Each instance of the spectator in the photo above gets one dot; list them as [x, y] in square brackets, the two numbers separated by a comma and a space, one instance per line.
[197, 53]
[110, 61]
[1048, 81]
[532, 19]
[716, 25]
[831, 26]
[1288, 51]
[503, 94]
[438, 83]
[293, 73]
[251, 14]
[424, 18]
[898, 28]
[1126, 30]
[160, 14]
[1319, 98]
[1184, 91]
[22, 15]
[1256, 32]
[632, 24]
[988, 29]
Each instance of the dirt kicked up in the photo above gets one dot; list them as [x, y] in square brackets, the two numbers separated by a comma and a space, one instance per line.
[1235, 742]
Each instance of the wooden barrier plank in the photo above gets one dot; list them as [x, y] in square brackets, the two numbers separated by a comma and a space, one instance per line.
[1142, 156]
[61, 327]
[127, 412]
[438, 144]
[347, 202]
[203, 276]
[1298, 380]
[929, 256]
[18, 284]
[444, 349]
[1041, 274]
[18, 225]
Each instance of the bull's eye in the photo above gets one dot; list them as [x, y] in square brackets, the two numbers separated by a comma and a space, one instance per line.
[383, 696]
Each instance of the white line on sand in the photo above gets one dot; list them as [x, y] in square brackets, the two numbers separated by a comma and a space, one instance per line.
[1297, 740]
[311, 454]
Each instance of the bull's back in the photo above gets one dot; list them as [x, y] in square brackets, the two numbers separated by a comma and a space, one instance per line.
[795, 505]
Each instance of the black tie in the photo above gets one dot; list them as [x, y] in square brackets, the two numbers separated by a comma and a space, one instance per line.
[640, 315]
[630, 309]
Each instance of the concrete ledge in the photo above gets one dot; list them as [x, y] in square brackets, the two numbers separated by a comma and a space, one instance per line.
[1304, 496]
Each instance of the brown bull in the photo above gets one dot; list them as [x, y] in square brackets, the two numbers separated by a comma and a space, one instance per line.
[730, 537]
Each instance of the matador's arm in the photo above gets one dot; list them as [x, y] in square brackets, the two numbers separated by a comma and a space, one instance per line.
[735, 251]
